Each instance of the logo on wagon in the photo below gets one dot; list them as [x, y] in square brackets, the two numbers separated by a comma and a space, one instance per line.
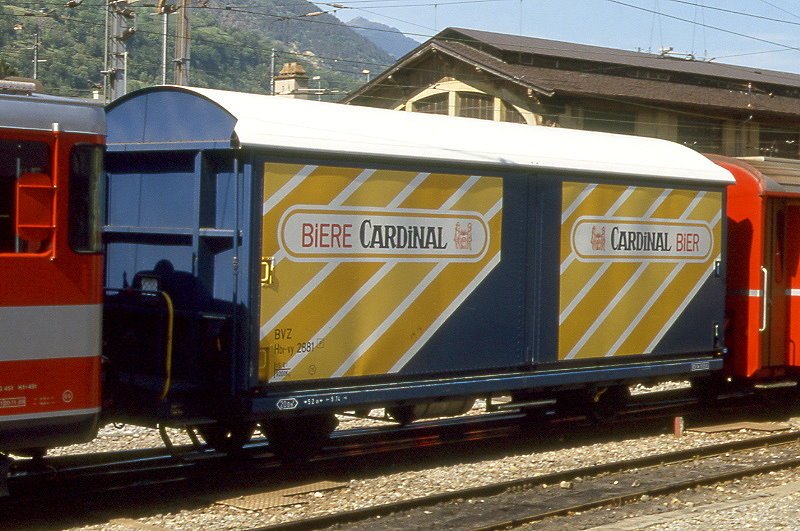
[637, 240]
[287, 403]
[309, 233]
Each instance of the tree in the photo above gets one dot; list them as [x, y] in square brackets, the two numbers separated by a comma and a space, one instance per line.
[6, 70]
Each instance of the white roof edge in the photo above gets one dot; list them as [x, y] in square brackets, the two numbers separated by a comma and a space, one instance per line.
[300, 125]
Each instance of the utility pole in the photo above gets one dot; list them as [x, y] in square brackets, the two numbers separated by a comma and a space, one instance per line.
[164, 30]
[118, 30]
[37, 42]
[36, 54]
[182, 41]
[165, 10]
[272, 72]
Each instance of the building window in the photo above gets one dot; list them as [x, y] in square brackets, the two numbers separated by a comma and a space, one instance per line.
[510, 114]
[472, 105]
[702, 135]
[778, 143]
[436, 104]
[609, 121]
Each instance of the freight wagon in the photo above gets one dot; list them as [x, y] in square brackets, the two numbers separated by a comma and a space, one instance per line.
[273, 261]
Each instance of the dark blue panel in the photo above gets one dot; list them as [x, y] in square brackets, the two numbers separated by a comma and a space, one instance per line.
[693, 331]
[347, 397]
[545, 257]
[150, 200]
[705, 312]
[124, 260]
[223, 275]
[168, 115]
[151, 190]
[487, 331]
[226, 213]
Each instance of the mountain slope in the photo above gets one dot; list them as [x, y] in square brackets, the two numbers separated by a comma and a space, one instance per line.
[230, 48]
[387, 38]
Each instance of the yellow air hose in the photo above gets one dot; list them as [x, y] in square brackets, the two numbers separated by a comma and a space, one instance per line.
[168, 363]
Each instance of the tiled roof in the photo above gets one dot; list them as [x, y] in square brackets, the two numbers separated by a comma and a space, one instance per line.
[592, 71]
[588, 83]
[558, 49]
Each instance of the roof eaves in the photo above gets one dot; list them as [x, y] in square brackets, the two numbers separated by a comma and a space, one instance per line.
[401, 63]
[442, 47]
[596, 54]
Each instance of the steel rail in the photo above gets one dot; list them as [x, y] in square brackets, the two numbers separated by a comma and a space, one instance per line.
[496, 489]
[617, 500]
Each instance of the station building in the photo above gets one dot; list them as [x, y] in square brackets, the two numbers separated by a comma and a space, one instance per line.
[709, 106]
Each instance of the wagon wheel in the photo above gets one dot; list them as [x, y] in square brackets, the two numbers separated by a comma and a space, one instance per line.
[708, 388]
[608, 402]
[298, 437]
[403, 414]
[228, 437]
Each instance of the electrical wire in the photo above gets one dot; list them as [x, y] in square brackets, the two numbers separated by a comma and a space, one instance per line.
[604, 69]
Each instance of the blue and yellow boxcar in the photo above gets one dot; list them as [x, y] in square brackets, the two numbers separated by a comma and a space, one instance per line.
[272, 259]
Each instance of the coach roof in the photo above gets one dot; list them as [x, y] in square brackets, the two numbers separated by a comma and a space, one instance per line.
[165, 116]
[39, 112]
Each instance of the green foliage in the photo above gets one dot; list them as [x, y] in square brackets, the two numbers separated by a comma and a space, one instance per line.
[6, 70]
[230, 45]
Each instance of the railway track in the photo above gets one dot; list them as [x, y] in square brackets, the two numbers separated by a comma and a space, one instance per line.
[86, 473]
[200, 474]
[515, 503]
[115, 470]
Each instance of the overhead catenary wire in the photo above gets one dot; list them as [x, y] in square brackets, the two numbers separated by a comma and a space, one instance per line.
[605, 68]
[339, 59]
[313, 21]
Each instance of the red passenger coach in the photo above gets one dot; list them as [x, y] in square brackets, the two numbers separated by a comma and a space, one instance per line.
[51, 193]
[763, 304]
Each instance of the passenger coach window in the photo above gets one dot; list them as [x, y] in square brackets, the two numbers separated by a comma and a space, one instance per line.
[86, 199]
[18, 158]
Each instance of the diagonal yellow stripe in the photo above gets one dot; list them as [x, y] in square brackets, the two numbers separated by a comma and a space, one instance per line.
[319, 188]
[574, 327]
[572, 287]
[434, 191]
[669, 301]
[308, 317]
[380, 189]
[421, 314]
[708, 208]
[679, 201]
[623, 313]
[481, 197]
[652, 322]
[324, 301]
[277, 175]
[631, 308]
[637, 205]
[361, 321]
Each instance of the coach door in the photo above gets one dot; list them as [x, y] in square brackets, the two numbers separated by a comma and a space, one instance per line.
[777, 272]
[361, 268]
[774, 286]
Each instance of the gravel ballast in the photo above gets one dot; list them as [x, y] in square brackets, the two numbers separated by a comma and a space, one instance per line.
[385, 486]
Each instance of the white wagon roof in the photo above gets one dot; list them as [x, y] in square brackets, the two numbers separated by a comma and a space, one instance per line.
[301, 125]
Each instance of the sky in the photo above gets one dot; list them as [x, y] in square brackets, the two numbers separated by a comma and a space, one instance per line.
[757, 33]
